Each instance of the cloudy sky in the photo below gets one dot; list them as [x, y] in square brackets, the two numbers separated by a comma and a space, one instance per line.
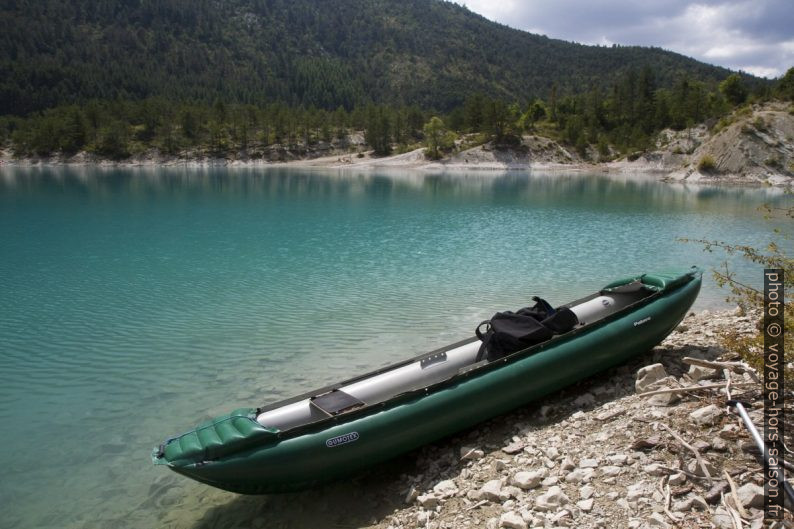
[756, 36]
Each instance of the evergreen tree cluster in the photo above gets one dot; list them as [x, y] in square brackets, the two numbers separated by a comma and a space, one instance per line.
[625, 118]
[119, 129]
[310, 53]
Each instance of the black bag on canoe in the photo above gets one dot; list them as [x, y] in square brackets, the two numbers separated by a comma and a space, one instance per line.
[508, 332]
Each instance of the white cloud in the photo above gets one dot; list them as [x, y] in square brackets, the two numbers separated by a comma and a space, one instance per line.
[756, 36]
[761, 71]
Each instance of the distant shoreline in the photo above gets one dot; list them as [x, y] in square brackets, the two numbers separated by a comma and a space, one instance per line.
[413, 161]
[749, 149]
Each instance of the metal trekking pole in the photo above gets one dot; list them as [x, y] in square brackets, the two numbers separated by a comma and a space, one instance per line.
[759, 442]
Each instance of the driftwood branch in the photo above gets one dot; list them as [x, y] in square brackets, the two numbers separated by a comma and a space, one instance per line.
[667, 510]
[672, 470]
[735, 496]
[737, 367]
[735, 518]
[691, 388]
[476, 505]
[692, 449]
[727, 374]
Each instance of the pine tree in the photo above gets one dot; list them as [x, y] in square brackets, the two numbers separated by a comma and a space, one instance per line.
[785, 87]
[73, 137]
[733, 89]
[434, 134]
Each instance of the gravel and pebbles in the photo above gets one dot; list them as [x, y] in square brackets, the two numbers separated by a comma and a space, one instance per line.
[599, 455]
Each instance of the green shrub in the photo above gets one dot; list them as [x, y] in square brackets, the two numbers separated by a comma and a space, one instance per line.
[707, 164]
[723, 124]
[773, 162]
[113, 141]
[603, 147]
[771, 255]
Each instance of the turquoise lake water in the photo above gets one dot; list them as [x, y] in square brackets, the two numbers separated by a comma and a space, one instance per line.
[138, 302]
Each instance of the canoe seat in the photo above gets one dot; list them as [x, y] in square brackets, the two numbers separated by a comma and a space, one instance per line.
[336, 402]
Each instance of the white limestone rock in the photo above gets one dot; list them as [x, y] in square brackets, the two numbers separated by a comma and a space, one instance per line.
[647, 376]
[654, 469]
[635, 492]
[553, 499]
[512, 520]
[491, 490]
[428, 501]
[529, 480]
[585, 505]
[658, 520]
[693, 467]
[722, 519]
[676, 479]
[508, 492]
[706, 416]
[751, 495]
[514, 447]
[698, 373]
[586, 492]
[445, 488]
[580, 475]
[610, 470]
[552, 453]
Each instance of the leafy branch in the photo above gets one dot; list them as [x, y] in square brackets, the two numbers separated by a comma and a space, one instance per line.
[749, 298]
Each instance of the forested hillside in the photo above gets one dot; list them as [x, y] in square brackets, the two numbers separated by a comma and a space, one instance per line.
[310, 53]
[624, 118]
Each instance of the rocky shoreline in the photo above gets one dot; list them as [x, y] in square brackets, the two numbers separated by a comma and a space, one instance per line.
[594, 455]
[601, 455]
[476, 159]
[751, 147]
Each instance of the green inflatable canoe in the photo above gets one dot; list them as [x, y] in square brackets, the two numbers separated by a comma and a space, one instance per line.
[335, 431]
